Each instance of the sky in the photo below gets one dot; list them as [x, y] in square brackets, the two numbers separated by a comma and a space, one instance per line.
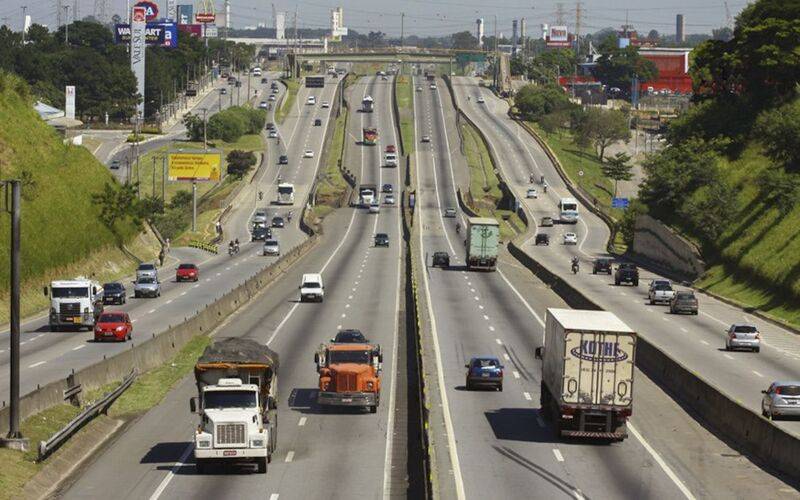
[431, 17]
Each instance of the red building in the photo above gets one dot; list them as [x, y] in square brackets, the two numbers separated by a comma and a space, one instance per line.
[673, 69]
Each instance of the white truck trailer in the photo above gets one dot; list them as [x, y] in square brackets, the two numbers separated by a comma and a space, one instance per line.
[587, 373]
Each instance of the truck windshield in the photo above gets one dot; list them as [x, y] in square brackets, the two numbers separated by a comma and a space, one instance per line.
[71, 291]
[360, 357]
[286, 189]
[218, 400]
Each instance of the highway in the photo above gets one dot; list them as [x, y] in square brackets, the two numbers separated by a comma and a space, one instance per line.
[320, 454]
[499, 444]
[47, 355]
[695, 341]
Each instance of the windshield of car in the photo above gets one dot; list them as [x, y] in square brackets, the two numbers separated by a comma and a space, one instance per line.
[662, 286]
[146, 280]
[382, 236]
[745, 329]
[685, 296]
[271, 243]
[788, 390]
[215, 400]
[360, 357]
[485, 363]
[186, 266]
[277, 219]
[112, 287]
[70, 291]
[310, 284]
[147, 267]
[350, 336]
[111, 318]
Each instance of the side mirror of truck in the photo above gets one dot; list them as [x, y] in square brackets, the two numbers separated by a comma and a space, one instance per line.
[466, 366]
[193, 405]
[380, 357]
[44, 290]
[539, 352]
[316, 358]
[272, 404]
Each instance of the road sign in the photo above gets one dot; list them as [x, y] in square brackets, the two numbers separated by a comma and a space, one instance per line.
[194, 166]
[620, 203]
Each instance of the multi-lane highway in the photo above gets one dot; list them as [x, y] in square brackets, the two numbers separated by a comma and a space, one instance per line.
[696, 341]
[328, 454]
[47, 355]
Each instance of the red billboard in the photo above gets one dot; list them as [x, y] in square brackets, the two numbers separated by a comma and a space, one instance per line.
[205, 17]
[150, 9]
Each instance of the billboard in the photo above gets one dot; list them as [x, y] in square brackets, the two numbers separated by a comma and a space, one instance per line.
[192, 29]
[138, 26]
[185, 13]
[194, 166]
[172, 14]
[163, 34]
[205, 17]
[69, 107]
[150, 9]
[558, 36]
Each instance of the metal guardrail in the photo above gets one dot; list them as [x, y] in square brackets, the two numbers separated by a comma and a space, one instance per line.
[204, 246]
[101, 405]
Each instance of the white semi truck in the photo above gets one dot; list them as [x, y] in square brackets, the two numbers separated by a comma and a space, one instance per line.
[75, 303]
[587, 373]
[237, 382]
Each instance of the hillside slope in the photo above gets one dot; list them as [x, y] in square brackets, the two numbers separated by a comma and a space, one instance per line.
[61, 228]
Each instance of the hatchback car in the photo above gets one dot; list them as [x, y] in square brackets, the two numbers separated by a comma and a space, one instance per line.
[264, 80]
[484, 371]
[187, 272]
[441, 259]
[311, 100]
[271, 98]
[223, 91]
[387, 188]
[388, 199]
[114, 165]
[419, 88]
[374, 207]
[743, 336]
[260, 216]
[433, 86]
[269, 126]
[381, 240]
[531, 193]
[113, 326]
[325, 104]
[547, 222]
[782, 399]
[542, 239]
[308, 153]
[570, 239]
[450, 212]
[481, 99]
[114, 293]
[146, 286]
[277, 221]
[273, 134]
[683, 302]
[272, 247]
[283, 160]
[317, 122]
[601, 265]
[349, 336]
[263, 105]
[426, 138]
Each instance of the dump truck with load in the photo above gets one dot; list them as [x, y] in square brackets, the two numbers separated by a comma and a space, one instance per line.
[349, 375]
[370, 136]
[587, 373]
[237, 382]
[483, 239]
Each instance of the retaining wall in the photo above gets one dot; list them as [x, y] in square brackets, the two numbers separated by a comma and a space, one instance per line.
[658, 244]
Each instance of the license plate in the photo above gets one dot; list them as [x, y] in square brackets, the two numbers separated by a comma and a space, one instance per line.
[347, 400]
[485, 375]
[76, 319]
[229, 453]
[108, 334]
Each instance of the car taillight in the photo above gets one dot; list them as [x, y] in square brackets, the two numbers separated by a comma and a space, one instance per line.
[758, 336]
[733, 335]
[501, 373]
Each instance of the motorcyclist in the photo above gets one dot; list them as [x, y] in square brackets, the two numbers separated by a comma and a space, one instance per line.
[541, 179]
[544, 186]
[531, 179]
[236, 245]
[230, 248]
[289, 216]
[458, 227]
[575, 265]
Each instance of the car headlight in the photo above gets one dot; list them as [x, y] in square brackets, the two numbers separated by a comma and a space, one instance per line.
[120, 328]
[370, 385]
[204, 444]
[257, 443]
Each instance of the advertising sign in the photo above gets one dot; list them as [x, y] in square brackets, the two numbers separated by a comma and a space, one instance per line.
[205, 17]
[138, 26]
[211, 31]
[185, 14]
[194, 166]
[163, 34]
[558, 36]
[192, 29]
[69, 108]
[172, 14]
[150, 9]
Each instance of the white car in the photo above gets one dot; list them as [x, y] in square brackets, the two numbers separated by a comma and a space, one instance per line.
[273, 134]
[433, 86]
[325, 104]
[271, 247]
[531, 193]
[743, 336]
[388, 199]
[271, 98]
[426, 138]
[480, 99]
[419, 88]
[374, 207]
[311, 100]
[308, 154]
[570, 239]
[262, 105]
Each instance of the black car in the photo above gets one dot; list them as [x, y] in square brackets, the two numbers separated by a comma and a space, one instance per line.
[441, 259]
[349, 337]
[387, 188]
[601, 265]
[283, 160]
[261, 233]
[317, 122]
[274, 86]
[270, 126]
[264, 80]
[381, 240]
[231, 80]
[542, 239]
[114, 293]
[627, 273]
[114, 165]
[278, 222]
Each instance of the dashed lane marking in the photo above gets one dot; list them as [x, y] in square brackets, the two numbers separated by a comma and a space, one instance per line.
[78, 348]
[516, 374]
[558, 455]
[40, 363]
[289, 457]
[499, 342]
[506, 357]
[527, 396]
[301, 422]
[757, 374]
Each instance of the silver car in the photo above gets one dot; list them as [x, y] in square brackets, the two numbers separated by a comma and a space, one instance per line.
[146, 270]
[742, 336]
[782, 399]
[271, 247]
[146, 286]
[260, 217]
[450, 212]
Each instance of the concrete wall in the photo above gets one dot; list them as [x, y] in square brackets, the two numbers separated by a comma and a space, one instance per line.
[658, 244]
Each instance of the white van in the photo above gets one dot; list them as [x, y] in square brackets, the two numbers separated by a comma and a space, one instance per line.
[311, 288]
[390, 159]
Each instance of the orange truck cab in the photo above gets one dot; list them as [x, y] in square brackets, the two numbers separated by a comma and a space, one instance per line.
[349, 375]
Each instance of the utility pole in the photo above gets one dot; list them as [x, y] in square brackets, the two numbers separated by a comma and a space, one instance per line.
[154, 177]
[66, 25]
[402, 27]
[496, 57]
[74, 10]
[14, 438]
[24, 10]
[205, 140]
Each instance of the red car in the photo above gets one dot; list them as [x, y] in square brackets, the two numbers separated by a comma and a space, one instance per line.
[187, 272]
[113, 326]
[391, 149]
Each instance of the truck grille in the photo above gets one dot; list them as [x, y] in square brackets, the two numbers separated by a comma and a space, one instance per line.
[231, 434]
[346, 382]
[69, 308]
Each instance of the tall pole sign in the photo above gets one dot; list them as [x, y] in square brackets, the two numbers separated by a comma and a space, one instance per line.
[172, 12]
[138, 25]
[69, 106]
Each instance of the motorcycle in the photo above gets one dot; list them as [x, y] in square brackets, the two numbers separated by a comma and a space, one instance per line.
[458, 228]
[575, 266]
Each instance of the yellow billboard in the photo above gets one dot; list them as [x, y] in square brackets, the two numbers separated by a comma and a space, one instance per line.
[195, 166]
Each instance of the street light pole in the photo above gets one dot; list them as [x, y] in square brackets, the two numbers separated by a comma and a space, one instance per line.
[66, 25]
[205, 138]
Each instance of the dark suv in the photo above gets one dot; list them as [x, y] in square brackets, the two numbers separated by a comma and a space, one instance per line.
[349, 337]
[441, 259]
[484, 371]
[114, 293]
[381, 240]
[627, 273]
[601, 265]
[683, 302]
[542, 239]
[261, 233]
[283, 160]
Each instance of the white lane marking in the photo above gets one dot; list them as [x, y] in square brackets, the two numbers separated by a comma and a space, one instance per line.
[347, 306]
[219, 274]
[516, 374]
[134, 320]
[301, 422]
[757, 374]
[289, 457]
[558, 455]
[499, 342]
[622, 293]
[168, 302]
[506, 357]
[476, 298]
[274, 496]
[208, 279]
[344, 315]
[183, 293]
[79, 347]
[486, 317]
[227, 269]
[491, 328]
[197, 285]
[704, 342]
[728, 356]
[684, 330]
[527, 396]
[664, 318]
[471, 289]
[24, 342]
[40, 363]
[349, 297]
[667, 470]
[171, 474]
[151, 311]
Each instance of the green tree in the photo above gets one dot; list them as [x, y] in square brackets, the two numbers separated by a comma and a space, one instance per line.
[709, 210]
[194, 127]
[616, 67]
[182, 198]
[536, 101]
[463, 40]
[779, 132]
[601, 128]
[240, 162]
[115, 203]
[618, 168]
[780, 189]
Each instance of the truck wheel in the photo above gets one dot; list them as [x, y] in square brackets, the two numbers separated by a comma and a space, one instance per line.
[261, 465]
[616, 282]
[200, 466]
[373, 409]
[594, 271]
[500, 387]
[635, 282]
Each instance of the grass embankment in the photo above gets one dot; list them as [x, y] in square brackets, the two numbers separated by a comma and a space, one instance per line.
[758, 261]
[405, 105]
[331, 185]
[62, 234]
[484, 188]
[292, 86]
[17, 468]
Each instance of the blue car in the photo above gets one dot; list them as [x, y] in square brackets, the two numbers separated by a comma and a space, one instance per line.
[484, 371]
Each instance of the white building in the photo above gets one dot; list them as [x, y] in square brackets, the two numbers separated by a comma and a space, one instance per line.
[280, 25]
[337, 24]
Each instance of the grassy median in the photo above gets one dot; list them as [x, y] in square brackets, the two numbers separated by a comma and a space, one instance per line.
[405, 105]
[292, 86]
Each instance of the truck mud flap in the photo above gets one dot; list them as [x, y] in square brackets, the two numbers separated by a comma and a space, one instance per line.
[596, 435]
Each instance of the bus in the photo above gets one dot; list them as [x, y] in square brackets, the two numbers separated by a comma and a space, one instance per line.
[315, 81]
[285, 194]
[569, 210]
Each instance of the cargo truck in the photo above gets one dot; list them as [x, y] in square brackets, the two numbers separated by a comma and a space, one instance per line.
[587, 373]
[483, 238]
[368, 105]
[237, 382]
[74, 304]
[370, 136]
[349, 375]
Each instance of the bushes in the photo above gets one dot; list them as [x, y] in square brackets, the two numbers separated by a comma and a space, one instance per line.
[228, 125]
[240, 162]
[536, 101]
[778, 131]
